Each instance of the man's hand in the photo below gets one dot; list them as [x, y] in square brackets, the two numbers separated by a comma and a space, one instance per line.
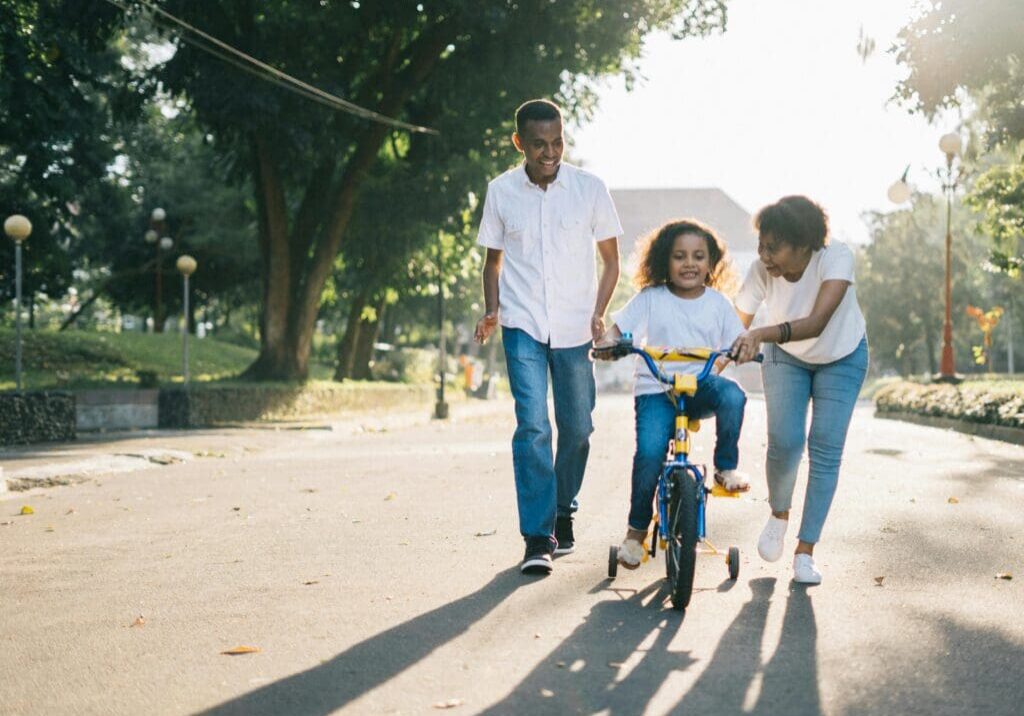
[596, 327]
[485, 327]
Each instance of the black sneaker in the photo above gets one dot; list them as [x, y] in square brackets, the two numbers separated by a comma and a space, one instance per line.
[537, 559]
[563, 535]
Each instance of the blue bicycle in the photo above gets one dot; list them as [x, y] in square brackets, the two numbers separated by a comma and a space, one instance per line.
[682, 490]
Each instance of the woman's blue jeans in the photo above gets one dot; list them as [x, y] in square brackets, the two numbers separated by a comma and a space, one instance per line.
[547, 485]
[831, 389]
[656, 424]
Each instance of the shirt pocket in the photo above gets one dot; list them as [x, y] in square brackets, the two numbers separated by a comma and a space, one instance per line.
[518, 240]
[575, 233]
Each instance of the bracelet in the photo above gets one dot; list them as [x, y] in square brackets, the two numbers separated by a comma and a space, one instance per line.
[785, 332]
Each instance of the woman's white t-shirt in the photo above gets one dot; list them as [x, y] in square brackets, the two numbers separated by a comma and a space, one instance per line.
[657, 317]
[786, 301]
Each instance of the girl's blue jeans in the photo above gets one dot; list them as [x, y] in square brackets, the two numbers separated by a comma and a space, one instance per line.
[831, 389]
[655, 426]
[547, 484]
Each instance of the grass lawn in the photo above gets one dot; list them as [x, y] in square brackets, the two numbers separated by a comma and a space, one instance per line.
[82, 359]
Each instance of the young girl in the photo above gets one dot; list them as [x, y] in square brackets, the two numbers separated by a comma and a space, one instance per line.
[681, 265]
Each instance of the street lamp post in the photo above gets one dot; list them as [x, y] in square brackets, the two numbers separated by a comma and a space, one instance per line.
[161, 244]
[187, 266]
[900, 192]
[950, 146]
[441, 408]
[18, 228]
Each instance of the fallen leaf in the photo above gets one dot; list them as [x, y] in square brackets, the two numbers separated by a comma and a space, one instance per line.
[879, 580]
[560, 665]
[953, 501]
[537, 635]
[390, 496]
[309, 489]
[140, 621]
[449, 704]
[1004, 575]
[547, 693]
[238, 650]
[312, 581]
[26, 510]
[486, 534]
[236, 509]
[615, 664]
[49, 528]
[70, 512]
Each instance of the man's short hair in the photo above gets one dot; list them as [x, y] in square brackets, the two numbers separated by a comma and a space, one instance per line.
[538, 110]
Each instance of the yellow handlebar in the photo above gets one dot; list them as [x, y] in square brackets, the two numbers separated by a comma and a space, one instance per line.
[678, 355]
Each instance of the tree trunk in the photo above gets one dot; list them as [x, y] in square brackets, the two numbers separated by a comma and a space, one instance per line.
[347, 344]
[369, 330]
[929, 344]
[296, 265]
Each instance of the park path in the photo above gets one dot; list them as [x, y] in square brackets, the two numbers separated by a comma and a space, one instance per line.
[374, 568]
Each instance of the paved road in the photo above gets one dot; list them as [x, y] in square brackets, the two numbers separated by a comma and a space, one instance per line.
[375, 570]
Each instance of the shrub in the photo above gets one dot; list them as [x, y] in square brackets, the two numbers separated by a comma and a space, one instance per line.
[989, 402]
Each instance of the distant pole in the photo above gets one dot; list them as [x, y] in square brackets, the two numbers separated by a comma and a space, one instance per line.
[950, 146]
[18, 228]
[441, 408]
[187, 266]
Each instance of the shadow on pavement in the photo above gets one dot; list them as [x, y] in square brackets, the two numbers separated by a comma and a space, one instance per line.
[374, 661]
[584, 673]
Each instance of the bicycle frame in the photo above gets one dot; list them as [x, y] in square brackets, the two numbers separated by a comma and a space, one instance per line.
[683, 387]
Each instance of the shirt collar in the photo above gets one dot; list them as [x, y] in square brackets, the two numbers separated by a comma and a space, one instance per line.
[559, 181]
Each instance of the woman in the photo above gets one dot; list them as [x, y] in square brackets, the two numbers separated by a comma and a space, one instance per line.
[817, 354]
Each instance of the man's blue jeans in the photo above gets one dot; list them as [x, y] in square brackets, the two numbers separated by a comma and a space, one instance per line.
[656, 424]
[831, 389]
[547, 485]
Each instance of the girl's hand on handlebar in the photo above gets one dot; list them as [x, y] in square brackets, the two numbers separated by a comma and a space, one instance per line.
[746, 347]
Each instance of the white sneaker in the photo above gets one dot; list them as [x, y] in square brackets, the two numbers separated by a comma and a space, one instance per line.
[804, 570]
[631, 553]
[769, 546]
[732, 480]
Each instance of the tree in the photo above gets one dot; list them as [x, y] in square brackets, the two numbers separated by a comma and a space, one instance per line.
[62, 90]
[972, 46]
[457, 66]
[900, 285]
[167, 162]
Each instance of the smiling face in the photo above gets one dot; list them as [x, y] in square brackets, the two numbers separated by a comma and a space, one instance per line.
[781, 258]
[542, 144]
[689, 265]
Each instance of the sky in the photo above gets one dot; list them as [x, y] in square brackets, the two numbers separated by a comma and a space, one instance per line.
[781, 103]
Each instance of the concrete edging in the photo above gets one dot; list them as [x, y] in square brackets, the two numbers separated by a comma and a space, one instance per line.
[1004, 433]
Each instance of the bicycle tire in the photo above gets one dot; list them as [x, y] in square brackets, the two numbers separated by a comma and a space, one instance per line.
[681, 555]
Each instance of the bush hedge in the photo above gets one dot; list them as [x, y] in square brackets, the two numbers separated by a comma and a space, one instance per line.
[988, 402]
[36, 416]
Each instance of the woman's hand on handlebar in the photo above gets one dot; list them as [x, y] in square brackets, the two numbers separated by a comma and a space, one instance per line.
[746, 347]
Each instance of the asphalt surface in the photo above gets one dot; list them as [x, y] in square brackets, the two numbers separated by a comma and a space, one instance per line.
[374, 567]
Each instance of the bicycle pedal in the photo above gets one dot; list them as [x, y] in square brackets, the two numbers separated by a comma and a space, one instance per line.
[719, 491]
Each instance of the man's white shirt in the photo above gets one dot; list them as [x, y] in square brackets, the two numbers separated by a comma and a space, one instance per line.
[548, 282]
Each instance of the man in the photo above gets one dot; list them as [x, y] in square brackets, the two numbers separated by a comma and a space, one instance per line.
[541, 224]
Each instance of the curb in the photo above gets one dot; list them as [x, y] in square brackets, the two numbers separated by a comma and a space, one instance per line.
[1003, 433]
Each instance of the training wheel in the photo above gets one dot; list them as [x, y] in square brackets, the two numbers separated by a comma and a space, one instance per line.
[733, 560]
[613, 561]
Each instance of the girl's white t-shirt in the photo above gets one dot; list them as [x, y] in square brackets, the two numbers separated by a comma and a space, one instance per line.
[657, 317]
[786, 301]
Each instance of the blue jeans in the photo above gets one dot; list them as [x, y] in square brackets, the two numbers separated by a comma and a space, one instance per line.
[790, 385]
[546, 485]
[656, 424]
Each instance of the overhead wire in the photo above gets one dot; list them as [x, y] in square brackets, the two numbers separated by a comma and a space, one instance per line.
[247, 63]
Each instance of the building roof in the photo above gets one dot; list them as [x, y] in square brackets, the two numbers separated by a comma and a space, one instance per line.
[643, 210]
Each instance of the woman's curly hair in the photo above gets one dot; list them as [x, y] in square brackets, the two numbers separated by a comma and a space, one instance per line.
[795, 220]
[656, 249]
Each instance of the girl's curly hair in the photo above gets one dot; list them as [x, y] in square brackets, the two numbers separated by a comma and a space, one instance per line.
[656, 249]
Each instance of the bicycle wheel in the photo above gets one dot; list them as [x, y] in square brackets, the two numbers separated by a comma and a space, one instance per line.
[681, 555]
